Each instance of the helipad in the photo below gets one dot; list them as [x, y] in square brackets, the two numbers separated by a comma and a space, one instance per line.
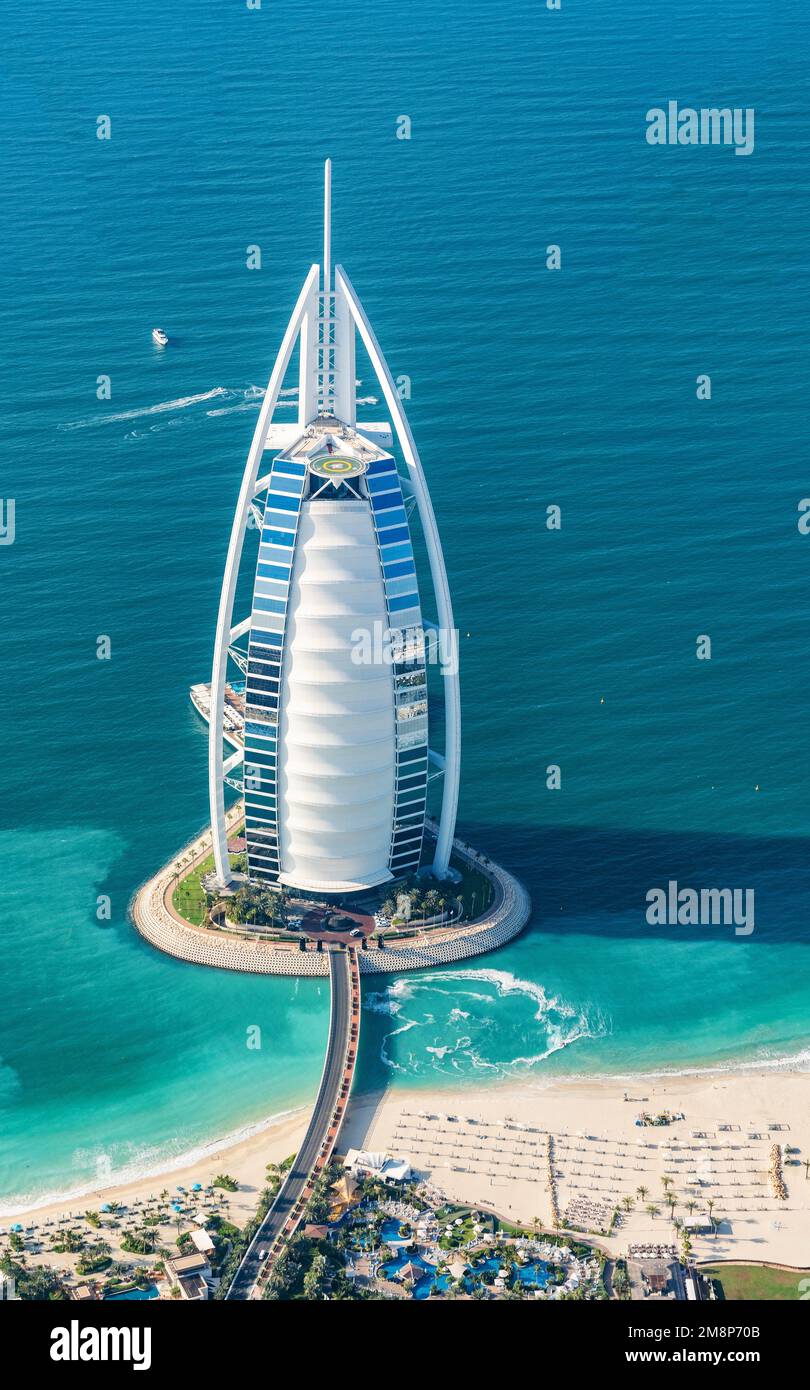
[337, 466]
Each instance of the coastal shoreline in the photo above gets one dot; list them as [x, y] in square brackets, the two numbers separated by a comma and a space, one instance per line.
[599, 1109]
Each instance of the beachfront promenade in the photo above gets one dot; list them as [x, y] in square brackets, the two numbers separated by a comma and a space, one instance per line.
[319, 1141]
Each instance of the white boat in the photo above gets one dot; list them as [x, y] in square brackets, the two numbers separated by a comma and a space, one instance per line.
[159, 337]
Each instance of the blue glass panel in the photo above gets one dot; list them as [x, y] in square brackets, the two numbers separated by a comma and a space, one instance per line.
[287, 466]
[409, 796]
[396, 517]
[405, 585]
[396, 605]
[280, 501]
[400, 567]
[397, 533]
[286, 538]
[291, 487]
[411, 755]
[265, 731]
[268, 605]
[273, 572]
[398, 552]
[410, 780]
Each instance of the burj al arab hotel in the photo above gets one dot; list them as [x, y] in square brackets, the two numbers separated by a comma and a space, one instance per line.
[336, 754]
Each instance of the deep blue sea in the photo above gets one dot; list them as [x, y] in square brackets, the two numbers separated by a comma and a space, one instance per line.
[530, 388]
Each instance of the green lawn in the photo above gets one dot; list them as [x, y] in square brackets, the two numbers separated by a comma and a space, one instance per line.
[756, 1282]
[188, 897]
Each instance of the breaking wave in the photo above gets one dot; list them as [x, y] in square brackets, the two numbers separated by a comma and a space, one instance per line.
[460, 1031]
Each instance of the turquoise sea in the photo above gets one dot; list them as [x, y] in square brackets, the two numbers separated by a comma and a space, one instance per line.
[529, 388]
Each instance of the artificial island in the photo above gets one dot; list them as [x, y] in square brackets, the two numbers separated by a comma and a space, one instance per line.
[328, 862]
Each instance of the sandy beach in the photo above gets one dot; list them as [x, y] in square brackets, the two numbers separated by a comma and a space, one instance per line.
[489, 1147]
[244, 1160]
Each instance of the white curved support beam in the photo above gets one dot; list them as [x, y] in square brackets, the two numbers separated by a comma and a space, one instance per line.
[224, 635]
[233, 761]
[452, 693]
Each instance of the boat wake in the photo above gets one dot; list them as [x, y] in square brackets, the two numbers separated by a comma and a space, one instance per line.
[161, 408]
[239, 399]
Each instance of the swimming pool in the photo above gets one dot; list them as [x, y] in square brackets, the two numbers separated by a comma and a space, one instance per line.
[429, 1284]
[150, 1292]
[391, 1229]
[534, 1276]
[391, 1269]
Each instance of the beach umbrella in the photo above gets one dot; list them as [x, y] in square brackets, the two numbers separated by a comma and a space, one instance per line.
[17, 1227]
[105, 1206]
[197, 1187]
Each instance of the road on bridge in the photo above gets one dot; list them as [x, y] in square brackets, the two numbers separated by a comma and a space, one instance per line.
[326, 1102]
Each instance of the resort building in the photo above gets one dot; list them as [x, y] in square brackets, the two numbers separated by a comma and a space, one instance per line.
[336, 757]
[362, 1164]
[190, 1274]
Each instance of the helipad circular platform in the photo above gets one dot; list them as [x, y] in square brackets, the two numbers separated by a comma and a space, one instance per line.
[337, 466]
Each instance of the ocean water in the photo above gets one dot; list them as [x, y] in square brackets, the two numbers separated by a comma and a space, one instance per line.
[529, 388]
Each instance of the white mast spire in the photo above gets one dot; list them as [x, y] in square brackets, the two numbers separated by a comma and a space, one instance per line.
[326, 311]
[327, 228]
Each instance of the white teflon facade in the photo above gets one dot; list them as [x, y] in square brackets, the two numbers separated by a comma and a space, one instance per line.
[335, 749]
[336, 722]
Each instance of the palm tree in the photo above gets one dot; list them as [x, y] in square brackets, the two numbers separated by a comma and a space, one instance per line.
[641, 1193]
[690, 1207]
[147, 1239]
[652, 1210]
[628, 1203]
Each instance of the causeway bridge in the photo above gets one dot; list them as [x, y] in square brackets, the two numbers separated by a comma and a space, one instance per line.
[319, 1141]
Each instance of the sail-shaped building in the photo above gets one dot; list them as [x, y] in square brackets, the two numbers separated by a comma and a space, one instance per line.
[337, 754]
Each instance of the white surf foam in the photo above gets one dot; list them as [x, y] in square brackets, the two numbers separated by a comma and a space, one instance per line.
[151, 1162]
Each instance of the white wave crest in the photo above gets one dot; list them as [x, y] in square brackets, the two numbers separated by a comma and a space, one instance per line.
[149, 1162]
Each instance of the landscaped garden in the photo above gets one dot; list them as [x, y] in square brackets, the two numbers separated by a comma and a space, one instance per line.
[741, 1282]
